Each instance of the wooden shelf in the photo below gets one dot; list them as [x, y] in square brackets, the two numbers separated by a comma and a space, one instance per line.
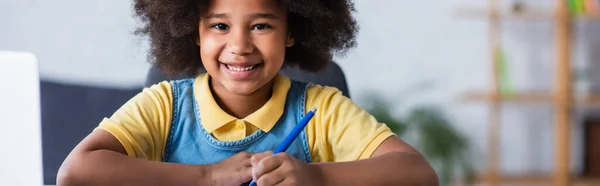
[531, 97]
[560, 96]
[528, 14]
[592, 100]
[539, 180]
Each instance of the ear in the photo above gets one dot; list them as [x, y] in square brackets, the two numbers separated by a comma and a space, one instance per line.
[289, 42]
[198, 40]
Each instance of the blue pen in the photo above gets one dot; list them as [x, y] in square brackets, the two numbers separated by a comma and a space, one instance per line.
[292, 136]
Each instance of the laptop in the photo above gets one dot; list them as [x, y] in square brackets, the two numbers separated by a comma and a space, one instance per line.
[20, 120]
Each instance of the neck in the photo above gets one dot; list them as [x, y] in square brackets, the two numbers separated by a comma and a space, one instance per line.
[240, 106]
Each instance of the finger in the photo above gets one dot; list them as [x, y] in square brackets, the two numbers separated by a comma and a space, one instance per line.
[265, 166]
[246, 174]
[257, 157]
[284, 156]
[287, 181]
[270, 179]
[287, 163]
[245, 154]
[243, 158]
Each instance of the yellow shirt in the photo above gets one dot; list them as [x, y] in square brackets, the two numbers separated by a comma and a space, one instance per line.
[339, 131]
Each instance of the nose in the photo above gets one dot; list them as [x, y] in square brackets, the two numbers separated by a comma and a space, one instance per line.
[240, 43]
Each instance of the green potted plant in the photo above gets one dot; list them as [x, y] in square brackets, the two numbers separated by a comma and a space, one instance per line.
[430, 131]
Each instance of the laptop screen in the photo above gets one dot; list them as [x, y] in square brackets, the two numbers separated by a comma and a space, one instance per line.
[20, 120]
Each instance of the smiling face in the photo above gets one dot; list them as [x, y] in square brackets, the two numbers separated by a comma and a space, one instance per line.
[242, 44]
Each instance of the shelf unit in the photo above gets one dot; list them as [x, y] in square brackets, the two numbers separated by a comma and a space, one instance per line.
[529, 14]
[532, 98]
[561, 97]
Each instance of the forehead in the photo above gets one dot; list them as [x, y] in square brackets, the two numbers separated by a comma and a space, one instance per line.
[245, 6]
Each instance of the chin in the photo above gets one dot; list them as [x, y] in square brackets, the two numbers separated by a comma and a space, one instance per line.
[243, 89]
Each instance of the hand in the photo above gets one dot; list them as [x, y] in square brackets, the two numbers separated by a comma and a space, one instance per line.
[233, 171]
[282, 169]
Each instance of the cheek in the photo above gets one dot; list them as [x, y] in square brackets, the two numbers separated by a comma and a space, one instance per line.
[209, 48]
[272, 49]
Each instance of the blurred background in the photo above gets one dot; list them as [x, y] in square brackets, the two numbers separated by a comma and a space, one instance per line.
[426, 68]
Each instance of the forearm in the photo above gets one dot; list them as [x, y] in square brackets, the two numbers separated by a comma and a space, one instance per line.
[104, 167]
[394, 168]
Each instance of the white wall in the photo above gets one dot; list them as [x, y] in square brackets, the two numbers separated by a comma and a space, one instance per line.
[76, 41]
[401, 44]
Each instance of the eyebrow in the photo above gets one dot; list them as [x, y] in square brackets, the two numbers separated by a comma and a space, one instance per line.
[214, 15]
[253, 16]
[264, 15]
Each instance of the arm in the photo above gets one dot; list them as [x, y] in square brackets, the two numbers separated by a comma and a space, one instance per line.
[126, 149]
[365, 151]
[361, 151]
[393, 163]
[101, 160]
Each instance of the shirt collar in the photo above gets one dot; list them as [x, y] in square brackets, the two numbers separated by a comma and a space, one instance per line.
[213, 117]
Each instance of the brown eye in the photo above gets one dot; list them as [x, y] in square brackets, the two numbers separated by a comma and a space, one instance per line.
[221, 26]
[260, 27]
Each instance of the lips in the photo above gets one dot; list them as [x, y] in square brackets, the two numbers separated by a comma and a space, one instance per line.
[240, 68]
[241, 71]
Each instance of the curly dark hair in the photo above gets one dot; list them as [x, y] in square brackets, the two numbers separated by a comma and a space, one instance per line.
[320, 29]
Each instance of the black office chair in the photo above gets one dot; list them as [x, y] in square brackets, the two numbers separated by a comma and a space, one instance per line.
[71, 112]
[332, 75]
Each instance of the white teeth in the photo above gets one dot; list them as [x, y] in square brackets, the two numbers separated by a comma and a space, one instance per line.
[240, 69]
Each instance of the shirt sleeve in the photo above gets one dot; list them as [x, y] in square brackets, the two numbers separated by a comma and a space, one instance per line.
[142, 124]
[341, 130]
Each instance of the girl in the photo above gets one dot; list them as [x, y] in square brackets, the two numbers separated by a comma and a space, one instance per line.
[219, 128]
